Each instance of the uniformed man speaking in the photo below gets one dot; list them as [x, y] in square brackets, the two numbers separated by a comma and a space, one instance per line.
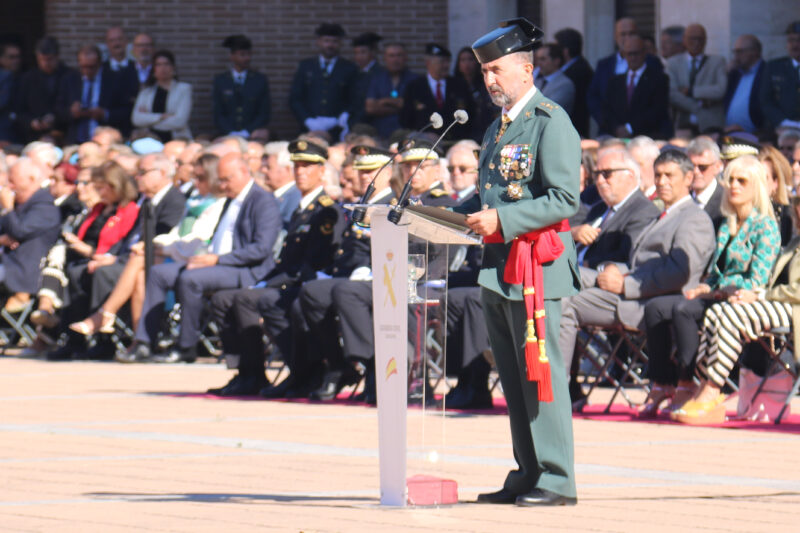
[529, 173]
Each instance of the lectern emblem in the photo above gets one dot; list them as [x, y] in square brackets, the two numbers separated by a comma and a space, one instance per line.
[391, 368]
[387, 281]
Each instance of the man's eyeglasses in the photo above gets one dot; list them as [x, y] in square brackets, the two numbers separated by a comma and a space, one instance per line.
[78, 183]
[703, 168]
[461, 168]
[607, 172]
[142, 172]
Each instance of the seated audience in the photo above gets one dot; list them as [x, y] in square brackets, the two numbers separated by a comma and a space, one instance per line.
[164, 104]
[107, 223]
[27, 231]
[189, 237]
[779, 177]
[747, 244]
[727, 326]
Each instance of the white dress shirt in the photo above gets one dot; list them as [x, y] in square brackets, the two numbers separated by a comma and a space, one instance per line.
[222, 242]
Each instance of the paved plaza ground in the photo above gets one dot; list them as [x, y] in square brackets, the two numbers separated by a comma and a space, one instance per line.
[111, 448]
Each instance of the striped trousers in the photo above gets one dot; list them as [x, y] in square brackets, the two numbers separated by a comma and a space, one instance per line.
[727, 327]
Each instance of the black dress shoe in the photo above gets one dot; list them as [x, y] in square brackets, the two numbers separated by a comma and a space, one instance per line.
[273, 391]
[544, 497]
[501, 496]
[177, 355]
[471, 398]
[137, 353]
[333, 382]
[218, 390]
[245, 386]
[102, 351]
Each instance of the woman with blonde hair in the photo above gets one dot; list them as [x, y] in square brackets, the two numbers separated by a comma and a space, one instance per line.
[747, 244]
[779, 180]
[728, 326]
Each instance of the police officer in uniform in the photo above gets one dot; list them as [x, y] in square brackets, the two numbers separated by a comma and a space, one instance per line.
[323, 96]
[311, 240]
[351, 265]
[241, 97]
[528, 182]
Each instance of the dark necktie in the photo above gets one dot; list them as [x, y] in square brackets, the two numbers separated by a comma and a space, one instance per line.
[439, 95]
[543, 84]
[87, 96]
[631, 86]
[148, 232]
[693, 74]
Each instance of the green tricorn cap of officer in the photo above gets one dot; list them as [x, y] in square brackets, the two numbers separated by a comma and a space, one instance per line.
[514, 35]
[302, 150]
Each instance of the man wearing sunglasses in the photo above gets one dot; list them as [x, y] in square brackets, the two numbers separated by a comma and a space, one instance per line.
[706, 191]
[463, 167]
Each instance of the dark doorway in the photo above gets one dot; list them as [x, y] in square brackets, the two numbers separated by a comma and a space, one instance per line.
[22, 23]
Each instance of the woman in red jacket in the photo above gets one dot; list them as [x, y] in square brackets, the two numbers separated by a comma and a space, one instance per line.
[107, 222]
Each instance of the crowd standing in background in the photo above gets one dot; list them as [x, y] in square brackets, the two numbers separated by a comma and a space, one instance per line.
[127, 235]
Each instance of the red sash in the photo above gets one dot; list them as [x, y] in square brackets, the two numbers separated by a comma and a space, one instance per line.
[524, 265]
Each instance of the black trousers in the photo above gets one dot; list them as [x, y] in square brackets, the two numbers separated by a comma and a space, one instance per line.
[319, 318]
[673, 320]
[241, 311]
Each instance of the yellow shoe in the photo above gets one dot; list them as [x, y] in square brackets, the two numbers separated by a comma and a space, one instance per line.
[702, 413]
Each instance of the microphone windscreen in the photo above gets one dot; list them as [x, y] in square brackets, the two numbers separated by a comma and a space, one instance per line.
[437, 121]
[461, 116]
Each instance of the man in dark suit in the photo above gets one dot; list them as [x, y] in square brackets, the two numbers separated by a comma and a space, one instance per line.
[10, 60]
[436, 92]
[612, 226]
[637, 102]
[92, 98]
[706, 188]
[742, 103]
[780, 91]
[553, 83]
[323, 96]
[38, 93]
[312, 237]
[121, 65]
[613, 65]
[241, 96]
[580, 72]
[28, 230]
[240, 253]
[365, 55]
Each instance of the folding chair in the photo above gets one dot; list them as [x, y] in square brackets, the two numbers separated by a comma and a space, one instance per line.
[780, 360]
[603, 354]
[19, 332]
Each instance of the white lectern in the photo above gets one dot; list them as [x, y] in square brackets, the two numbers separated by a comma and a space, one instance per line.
[390, 319]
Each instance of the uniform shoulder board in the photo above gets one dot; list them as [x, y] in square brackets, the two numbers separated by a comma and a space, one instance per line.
[325, 201]
[436, 193]
[547, 107]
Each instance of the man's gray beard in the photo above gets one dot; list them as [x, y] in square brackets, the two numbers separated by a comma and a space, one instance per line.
[501, 99]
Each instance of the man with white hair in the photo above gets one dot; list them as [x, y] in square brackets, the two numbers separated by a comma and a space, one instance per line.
[708, 166]
[278, 171]
[612, 226]
[462, 163]
[42, 153]
[644, 151]
[27, 230]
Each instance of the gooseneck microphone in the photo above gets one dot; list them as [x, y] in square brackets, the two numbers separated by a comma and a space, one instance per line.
[360, 212]
[459, 117]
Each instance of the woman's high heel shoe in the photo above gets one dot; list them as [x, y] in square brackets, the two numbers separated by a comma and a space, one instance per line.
[658, 394]
[682, 396]
[102, 322]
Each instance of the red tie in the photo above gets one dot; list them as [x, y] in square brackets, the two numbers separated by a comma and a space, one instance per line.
[439, 98]
[631, 86]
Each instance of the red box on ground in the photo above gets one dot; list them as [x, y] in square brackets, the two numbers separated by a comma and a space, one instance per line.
[431, 490]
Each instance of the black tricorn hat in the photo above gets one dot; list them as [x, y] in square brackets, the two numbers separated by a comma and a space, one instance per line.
[514, 35]
[327, 29]
[370, 39]
[237, 42]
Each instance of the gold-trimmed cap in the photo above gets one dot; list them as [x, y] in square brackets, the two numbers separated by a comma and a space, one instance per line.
[302, 150]
[738, 144]
[419, 151]
[369, 157]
